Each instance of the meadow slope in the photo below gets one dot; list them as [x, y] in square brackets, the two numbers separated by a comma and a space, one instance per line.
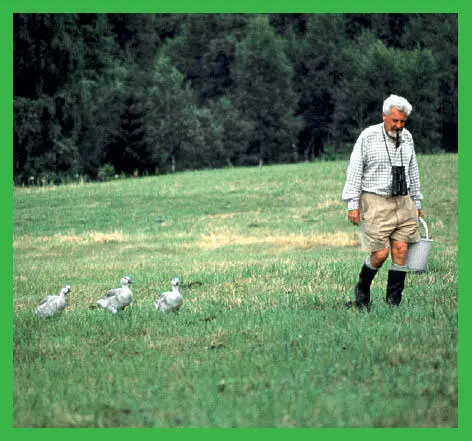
[267, 259]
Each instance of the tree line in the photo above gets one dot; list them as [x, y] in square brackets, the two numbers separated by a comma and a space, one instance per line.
[99, 94]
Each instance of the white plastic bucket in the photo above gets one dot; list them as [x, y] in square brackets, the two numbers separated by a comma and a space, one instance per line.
[418, 252]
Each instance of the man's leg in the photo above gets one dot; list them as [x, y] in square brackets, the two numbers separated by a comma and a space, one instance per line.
[377, 258]
[366, 276]
[397, 273]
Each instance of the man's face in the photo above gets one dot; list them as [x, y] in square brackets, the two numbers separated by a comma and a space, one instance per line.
[394, 121]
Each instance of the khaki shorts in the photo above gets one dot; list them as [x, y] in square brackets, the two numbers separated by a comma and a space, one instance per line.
[386, 219]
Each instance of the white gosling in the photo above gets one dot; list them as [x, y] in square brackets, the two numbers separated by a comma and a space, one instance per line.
[117, 298]
[170, 301]
[54, 304]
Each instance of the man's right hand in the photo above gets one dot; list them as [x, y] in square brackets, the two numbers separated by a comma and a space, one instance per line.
[354, 216]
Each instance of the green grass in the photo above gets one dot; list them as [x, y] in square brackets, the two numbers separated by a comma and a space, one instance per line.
[267, 258]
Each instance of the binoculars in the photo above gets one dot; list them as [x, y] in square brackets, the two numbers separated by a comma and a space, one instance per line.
[399, 181]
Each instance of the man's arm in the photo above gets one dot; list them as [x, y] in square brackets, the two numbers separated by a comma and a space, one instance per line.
[414, 189]
[352, 186]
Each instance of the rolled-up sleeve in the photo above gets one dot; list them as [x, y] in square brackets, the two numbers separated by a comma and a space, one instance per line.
[414, 175]
[352, 186]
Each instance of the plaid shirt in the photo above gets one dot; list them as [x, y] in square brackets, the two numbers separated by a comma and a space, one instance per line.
[370, 169]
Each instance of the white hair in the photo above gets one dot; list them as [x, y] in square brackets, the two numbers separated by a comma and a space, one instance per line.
[399, 102]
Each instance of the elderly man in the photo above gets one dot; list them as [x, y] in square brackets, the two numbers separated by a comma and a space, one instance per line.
[383, 190]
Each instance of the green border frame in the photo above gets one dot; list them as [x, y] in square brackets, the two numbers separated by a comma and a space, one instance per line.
[6, 178]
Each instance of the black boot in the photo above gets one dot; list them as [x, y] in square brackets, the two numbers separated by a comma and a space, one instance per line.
[362, 288]
[395, 285]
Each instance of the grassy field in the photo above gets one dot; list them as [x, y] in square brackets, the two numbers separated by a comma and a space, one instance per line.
[267, 259]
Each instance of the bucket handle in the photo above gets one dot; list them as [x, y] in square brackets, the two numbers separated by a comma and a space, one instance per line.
[424, 226]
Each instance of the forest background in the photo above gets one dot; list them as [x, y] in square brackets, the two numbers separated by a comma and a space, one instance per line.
[104, 95]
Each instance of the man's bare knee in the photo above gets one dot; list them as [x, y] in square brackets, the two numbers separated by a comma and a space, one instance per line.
[399, 252]
[378, 258]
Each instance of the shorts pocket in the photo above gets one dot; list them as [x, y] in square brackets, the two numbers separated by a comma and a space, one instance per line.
[411, 208]
[364, 207]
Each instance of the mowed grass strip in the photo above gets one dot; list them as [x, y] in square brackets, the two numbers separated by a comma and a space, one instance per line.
[267, 260]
